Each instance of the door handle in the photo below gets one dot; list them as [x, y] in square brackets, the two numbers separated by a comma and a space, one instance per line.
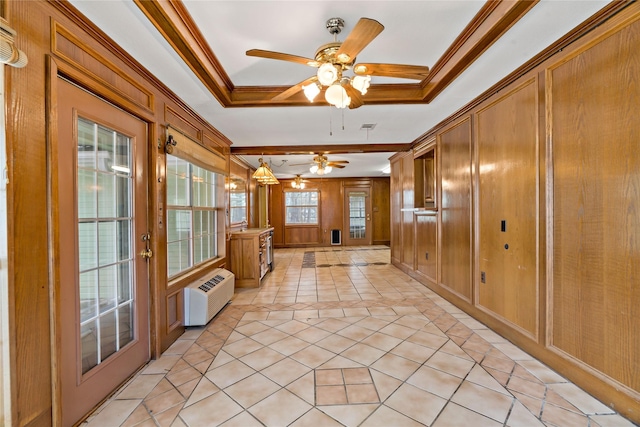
[148, 253]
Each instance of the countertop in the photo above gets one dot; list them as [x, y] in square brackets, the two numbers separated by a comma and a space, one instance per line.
[251, 231]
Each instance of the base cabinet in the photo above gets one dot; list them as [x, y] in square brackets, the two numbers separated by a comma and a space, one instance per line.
[251, 256]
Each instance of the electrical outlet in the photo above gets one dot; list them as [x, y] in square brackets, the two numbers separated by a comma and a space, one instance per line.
[483, 277]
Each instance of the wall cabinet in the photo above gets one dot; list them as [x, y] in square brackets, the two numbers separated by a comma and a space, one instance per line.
[251, 256]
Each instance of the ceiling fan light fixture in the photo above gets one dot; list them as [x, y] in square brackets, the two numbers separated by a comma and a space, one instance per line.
[314, 169]
[328, 169]
[336, 95]
[361, 83]
[311, 91]
[328, 74]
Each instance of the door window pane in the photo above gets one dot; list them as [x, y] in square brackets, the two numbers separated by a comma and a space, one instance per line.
[105, 241]
[357, 212]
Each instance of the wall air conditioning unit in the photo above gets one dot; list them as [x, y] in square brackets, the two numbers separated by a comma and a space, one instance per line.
[205, 297]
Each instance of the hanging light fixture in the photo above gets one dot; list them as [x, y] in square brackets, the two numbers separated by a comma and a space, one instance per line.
[321, 168]
[264, 175]
[297, 183]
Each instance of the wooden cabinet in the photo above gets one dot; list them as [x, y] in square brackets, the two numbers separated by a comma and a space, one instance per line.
[427, 244]
[251, 256]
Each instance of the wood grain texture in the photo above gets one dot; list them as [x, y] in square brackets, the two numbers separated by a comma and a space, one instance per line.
[507, 191]
[408, 203]
[396, 208]
[596, 198]
[427, 245]
[27, 220]
[455, 190]
[381, 216]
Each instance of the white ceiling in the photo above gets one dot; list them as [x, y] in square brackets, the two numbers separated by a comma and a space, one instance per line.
[416, 32]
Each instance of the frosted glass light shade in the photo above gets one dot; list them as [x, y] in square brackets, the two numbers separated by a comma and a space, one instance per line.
[336, 95]
[311, 91]
[361, 83]
[327, 74]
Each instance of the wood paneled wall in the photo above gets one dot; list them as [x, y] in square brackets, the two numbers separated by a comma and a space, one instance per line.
[595, 287]
[507, 206]
[454, 146]
[59, 42]
[331, 211]
[539, 211]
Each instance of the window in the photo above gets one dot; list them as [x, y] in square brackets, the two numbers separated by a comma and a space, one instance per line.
[191, 215]
[301, 207]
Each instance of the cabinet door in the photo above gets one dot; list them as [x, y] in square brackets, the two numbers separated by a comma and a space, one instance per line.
[244, 258]
[426, 245]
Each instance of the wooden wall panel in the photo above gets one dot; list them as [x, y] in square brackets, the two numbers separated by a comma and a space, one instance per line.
[596, 206]
[455, 208]
[27, 222]
[396, 212]
[304, 235]
[276, 213]
[408, 203]
[380, 198]
[507, 197]
[332, 214]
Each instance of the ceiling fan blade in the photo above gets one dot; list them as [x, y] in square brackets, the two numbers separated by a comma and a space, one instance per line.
[417, 72]
[283, 57]
[335, 166]
[362, 34]
[339, 161]
[293, 89]
[356, 99]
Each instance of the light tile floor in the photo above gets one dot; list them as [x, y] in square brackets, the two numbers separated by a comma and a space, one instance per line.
[352, 341]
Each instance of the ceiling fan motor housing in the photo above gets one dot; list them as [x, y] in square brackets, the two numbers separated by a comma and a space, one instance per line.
[335, 25]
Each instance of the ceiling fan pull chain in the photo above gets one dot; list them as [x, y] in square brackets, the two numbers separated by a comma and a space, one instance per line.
[330, 122]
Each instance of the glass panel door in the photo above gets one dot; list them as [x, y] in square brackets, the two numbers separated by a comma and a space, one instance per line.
[100, 192]
[357, 216]
[104, 241]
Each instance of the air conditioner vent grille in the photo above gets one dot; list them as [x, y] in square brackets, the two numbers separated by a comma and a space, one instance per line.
[211, 283]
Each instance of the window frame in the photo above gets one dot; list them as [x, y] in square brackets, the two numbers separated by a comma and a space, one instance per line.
[194, 261]
[316, 206]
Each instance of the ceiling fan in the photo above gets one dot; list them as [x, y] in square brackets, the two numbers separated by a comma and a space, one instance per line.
[322, 166]
[333, 59]
[298, 182]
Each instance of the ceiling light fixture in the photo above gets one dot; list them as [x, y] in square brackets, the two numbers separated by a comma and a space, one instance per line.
[264, 175]
[337, 95]
[298, 183]
[321, 169]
